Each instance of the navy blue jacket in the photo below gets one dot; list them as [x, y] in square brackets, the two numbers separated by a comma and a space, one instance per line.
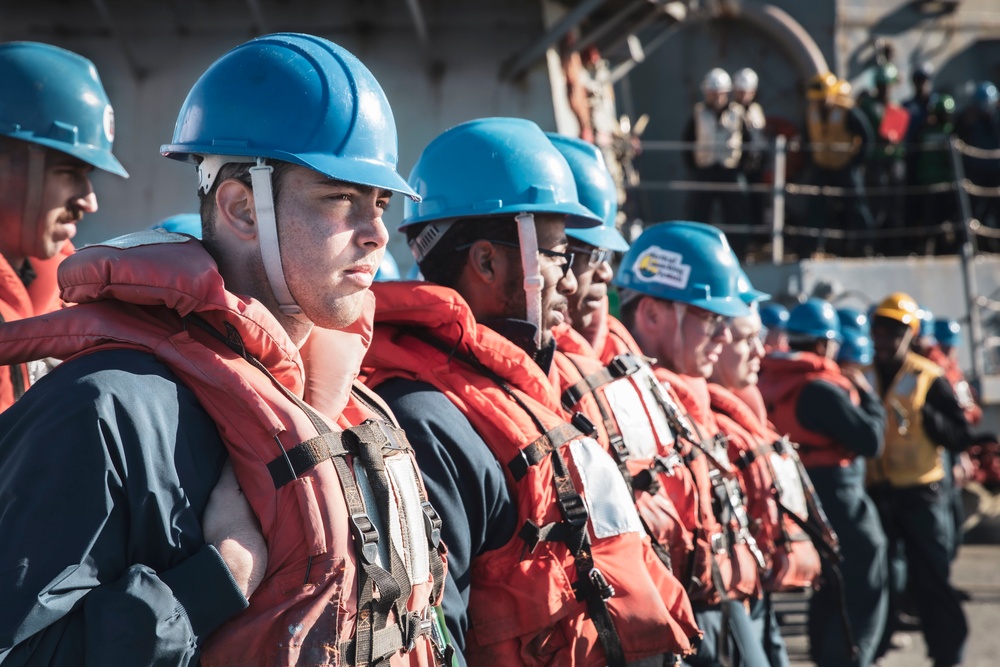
[106, 465]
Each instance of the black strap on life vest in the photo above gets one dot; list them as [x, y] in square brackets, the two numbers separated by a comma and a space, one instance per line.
[377, 636]
[646, 480]
[591, 585]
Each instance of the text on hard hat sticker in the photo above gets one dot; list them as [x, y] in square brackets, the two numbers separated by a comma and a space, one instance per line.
[657, 265]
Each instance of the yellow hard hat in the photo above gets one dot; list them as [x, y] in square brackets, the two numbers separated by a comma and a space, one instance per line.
[900, 307]
[821, 86]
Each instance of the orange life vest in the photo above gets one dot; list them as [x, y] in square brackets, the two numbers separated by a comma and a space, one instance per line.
[793, 562]
[631, 427]
[540, 598]
[18, 302]
[311, 479]
[782, 378]
[716, 480]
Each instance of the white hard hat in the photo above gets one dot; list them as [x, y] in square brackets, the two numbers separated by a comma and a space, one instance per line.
[717, 81]
[745, 79]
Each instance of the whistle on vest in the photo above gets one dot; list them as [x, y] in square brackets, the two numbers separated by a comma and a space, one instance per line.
[902, 422]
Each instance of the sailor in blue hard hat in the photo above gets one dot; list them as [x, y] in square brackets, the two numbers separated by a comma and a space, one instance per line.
[593, 247]
[56, 127]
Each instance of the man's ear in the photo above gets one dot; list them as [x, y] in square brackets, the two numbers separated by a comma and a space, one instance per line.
[483, 261]
[648, 313]
[235, 211]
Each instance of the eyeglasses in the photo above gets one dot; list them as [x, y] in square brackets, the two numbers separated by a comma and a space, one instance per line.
[712, 321]
[566, 257]
[595, 256]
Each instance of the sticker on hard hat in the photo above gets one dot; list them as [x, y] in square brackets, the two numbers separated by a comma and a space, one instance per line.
[657, 265]
[109, 123]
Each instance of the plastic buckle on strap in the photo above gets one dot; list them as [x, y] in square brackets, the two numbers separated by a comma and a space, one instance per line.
[395, 438]
[367, 536]
[582, 424]
[623, 365]
[575, 510]
[667, 464]
[600, 583]
[432, 523]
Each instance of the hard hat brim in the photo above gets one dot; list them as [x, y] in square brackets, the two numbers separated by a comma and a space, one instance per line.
[99, 158]
[347, 169]
[600, 237]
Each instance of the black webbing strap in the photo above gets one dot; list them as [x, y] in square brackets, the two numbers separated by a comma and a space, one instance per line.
[304, 456]
[543, 446]
[615, 439]
[432, 520]
[621, 366]
[591, 584]
[371, 631]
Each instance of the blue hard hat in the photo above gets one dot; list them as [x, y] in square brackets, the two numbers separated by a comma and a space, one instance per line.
[747, 291]
[493, 166]
[53, 97]
[815, 318]
[182, 223]
[388, 269]
[926, 318]
[985, 94]
[297, 98]
[596, 189]
[774, 316]
[855, 348]
[947, 332]
[853, 319]
[687, 262]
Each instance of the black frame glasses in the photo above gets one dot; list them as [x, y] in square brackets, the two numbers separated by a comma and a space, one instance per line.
[552, 254]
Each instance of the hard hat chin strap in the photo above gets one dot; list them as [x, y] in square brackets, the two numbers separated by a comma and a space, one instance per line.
[532, 272]
[35, 184]
[267, 235]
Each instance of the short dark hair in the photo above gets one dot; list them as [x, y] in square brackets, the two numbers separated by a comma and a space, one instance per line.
[241, 172]
[443, 265]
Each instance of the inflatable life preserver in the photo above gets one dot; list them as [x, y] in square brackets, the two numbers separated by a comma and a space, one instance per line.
[541, 588]
[18, 302]
[318, 502]
[783, 376]
[774, 489]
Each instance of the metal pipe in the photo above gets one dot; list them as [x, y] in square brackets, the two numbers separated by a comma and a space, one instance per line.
[778, 221]
[418, 21]
[968, 270]
[530, 55]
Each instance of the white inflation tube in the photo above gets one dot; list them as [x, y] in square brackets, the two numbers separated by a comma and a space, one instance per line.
[532, 272]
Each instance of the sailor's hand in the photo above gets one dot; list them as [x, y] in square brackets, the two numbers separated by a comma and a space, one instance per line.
[858, 379]
[231, 527]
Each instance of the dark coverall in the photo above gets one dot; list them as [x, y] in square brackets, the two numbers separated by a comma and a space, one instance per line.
[920, 529]
[827, 409]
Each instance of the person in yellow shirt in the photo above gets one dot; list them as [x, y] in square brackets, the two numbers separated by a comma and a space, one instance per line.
[923, 417]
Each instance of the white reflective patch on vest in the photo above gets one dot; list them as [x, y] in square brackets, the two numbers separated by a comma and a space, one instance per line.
[406, 491]
[786, 473]
[371, 507]
[628, 405]
[644, 379]
[609, 501]
[144, 237]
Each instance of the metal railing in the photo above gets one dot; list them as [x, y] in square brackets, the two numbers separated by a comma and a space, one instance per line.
[967, 229]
